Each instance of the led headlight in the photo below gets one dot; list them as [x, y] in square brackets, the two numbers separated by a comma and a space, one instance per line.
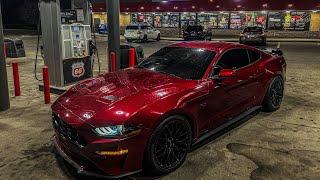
[117, 131]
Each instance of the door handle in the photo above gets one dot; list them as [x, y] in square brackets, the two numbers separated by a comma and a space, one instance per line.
[203, 105]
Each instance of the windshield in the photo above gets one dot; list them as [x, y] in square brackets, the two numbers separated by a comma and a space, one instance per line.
[186, 63]
[253, 30]
[194, 28]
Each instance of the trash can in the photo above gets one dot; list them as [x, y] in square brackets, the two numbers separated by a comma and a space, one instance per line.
[14, 48]
[124, 54]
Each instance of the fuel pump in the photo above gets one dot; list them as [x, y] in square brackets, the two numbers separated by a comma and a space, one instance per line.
[68, 48]
[77, 64]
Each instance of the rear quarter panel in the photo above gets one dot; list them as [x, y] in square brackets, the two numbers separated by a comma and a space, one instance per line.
[272, 65]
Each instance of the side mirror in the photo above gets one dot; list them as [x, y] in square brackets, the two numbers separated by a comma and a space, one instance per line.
[225, 73]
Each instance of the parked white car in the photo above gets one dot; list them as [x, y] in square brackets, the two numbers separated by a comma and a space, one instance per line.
[141, 32]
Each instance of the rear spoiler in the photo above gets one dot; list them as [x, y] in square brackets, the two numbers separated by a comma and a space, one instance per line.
[272, 51]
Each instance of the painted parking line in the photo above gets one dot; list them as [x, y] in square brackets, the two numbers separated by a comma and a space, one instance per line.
[279, 44]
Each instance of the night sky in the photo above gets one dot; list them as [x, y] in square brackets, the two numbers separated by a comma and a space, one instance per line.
[22, 14]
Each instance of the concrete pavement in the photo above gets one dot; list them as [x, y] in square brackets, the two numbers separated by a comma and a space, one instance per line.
[280, 145]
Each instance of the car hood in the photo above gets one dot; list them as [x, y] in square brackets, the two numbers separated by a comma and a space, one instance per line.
[118, 95]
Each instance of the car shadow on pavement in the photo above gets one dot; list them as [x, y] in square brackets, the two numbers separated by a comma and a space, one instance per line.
[71, 172]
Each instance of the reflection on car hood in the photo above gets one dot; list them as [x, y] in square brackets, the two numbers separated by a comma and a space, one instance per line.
[130, 87]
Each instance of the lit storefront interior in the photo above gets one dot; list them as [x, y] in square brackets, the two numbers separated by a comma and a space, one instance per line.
[166, 14]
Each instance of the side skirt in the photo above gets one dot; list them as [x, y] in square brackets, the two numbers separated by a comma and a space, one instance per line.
[227, 124]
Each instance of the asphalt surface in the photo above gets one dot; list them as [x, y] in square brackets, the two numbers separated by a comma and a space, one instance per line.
[280, 145]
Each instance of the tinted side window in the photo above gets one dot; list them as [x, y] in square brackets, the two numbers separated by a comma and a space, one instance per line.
[254, 56]
[132, 27]
[144, 27]
[234, 59]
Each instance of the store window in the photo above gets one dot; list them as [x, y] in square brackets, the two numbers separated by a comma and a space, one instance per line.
[275, 20]
[296, 20]
[170, 20]
[315, 21]
[208, 20]
[255, 19]
[188, 19]
[223, 21]
[142, 18]
[158, 20]
[149, 18]
[236, 20]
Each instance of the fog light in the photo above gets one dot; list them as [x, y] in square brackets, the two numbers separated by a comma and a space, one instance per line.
[113, 153]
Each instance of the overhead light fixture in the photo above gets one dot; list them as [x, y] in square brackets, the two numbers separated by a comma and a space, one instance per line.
[164, 1]
[142, 7]
[157, 7]
[193, 7]
[290, 5]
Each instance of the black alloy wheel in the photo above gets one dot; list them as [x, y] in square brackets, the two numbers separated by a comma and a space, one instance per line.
[169, 145]
[158, 37]
[274, 96]
[145, 39]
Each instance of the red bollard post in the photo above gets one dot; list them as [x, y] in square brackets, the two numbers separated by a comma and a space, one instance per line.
[113, 61]
[132, 57]
[16, 78]
[46, 85]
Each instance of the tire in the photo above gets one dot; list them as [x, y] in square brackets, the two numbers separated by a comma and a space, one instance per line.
[274, 96]
[264, 43]
[145, 38]
[168, 146]
[158, 37]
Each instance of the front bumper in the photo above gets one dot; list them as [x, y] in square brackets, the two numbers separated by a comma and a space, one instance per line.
[88, 168]
[134, 37]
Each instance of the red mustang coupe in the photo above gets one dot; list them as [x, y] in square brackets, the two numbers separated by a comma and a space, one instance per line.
[149, 116]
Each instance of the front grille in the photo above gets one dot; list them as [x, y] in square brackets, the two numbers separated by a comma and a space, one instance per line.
[67, 131]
